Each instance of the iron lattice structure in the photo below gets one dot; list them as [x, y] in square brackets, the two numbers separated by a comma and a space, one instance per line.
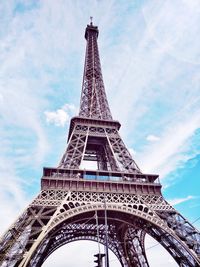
[71, 198]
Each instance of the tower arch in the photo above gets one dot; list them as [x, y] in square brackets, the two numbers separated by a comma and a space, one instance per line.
[126, 232]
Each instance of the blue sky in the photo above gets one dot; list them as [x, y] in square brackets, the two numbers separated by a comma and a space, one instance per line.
[150, 56]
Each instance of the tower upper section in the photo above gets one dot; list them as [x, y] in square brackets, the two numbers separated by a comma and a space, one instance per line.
[93, 102]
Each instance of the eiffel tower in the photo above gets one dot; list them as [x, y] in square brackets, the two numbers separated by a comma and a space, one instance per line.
[72, 199]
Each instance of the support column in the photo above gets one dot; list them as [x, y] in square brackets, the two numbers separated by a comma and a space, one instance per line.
[134, 248]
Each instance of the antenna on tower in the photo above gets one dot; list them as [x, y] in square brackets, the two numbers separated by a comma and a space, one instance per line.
[91, 18]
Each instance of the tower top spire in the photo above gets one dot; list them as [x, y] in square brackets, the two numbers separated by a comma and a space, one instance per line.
[93, 102]
[91, 22]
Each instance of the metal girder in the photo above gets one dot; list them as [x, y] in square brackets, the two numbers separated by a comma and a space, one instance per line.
[94, 102]
[45, 227]
[183, 229]
[109, 150]
[67, 233]
[75, 149]
[94, 106]
[134, 247]
[184, 257]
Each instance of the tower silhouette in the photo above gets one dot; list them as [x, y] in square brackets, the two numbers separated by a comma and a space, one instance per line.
[72, 197]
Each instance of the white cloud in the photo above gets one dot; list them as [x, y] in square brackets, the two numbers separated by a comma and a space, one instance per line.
[61, 116]
[152, 138]
[160, 87]
[132, 151]
[171, 150]
[58, 117]
[177, 201]
[173, 30]
[13, 198]
[1, 97]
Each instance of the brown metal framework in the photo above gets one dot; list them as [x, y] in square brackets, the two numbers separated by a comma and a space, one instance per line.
[70, 198]
[94, 102]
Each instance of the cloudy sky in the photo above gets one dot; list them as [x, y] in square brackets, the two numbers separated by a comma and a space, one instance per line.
[150, 55]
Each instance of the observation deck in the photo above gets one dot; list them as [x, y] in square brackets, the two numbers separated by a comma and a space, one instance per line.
[95, 180]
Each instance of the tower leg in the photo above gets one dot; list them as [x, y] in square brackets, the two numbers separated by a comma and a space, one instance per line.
[132, 241]
[134, 247]
[183, 229]
[22, 234]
